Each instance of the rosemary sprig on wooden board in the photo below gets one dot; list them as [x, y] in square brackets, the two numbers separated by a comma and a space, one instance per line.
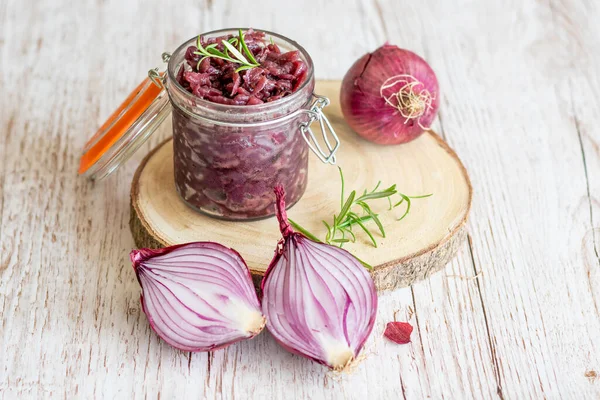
[340, 229]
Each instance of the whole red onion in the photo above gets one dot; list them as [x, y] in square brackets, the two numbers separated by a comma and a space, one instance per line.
[390, 96]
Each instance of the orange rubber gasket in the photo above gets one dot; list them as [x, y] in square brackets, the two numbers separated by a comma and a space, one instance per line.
[119, 122]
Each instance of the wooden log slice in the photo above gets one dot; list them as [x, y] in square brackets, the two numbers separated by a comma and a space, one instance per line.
[414, 248]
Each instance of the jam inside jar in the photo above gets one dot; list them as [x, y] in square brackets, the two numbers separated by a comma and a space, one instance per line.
[228, 158]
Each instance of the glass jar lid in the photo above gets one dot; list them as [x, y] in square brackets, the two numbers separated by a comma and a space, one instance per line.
[129, 126]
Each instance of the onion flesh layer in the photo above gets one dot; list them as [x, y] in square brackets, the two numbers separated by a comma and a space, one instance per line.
[320, 302]
[198, 296]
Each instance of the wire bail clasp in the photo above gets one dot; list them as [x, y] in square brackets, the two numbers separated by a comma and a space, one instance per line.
[159, 78]
[316, 114]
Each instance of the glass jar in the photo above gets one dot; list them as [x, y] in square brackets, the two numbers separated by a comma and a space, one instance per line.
[228, 158]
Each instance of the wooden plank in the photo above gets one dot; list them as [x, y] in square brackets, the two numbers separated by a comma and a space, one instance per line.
[520, 86]
[505, 116]
[583, 89]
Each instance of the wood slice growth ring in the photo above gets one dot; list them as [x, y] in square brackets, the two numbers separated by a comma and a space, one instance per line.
[414, 248]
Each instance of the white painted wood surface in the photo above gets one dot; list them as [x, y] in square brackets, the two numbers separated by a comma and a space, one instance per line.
[520, 83]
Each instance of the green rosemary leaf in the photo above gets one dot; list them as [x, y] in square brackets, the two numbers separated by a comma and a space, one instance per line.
[340, 240]
[304, 231]
[244, 68]
[329, 236]
[378, 195]
[349, 221]
[398, 203]
[366, 265]
[364, 228]
[345, 208]
[271, 40]
[349, 231]
[390, 201]
[376, 186]
[379, 224]
[210, 46]
[246, 50]
[374, 216]
[223, 57]
[354, 219]
[200, 62]
[239, 56]
[215, 53]
[364, 206]
[199, 43]
[352, 214]
[225, 52]
[407, 199]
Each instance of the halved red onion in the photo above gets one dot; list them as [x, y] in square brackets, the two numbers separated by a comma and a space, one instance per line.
[198, 296]
[320, 302]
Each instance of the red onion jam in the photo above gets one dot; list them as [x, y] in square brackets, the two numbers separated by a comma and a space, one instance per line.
[227, 164]
[213, 79]
[231, 174]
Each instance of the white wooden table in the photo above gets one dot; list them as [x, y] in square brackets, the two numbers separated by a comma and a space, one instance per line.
[521, 84]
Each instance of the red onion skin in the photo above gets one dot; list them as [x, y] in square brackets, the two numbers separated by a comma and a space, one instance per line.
[398, 332]
[367, 112]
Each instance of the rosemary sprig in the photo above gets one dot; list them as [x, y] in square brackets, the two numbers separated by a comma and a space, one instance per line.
[233, 51]
[340, 229]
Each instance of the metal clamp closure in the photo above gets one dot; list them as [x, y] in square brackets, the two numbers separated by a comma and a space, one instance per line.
[159, 78]
[316, 114]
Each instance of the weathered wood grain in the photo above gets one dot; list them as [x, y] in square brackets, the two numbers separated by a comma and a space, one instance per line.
[520, 105]
[527, 232]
